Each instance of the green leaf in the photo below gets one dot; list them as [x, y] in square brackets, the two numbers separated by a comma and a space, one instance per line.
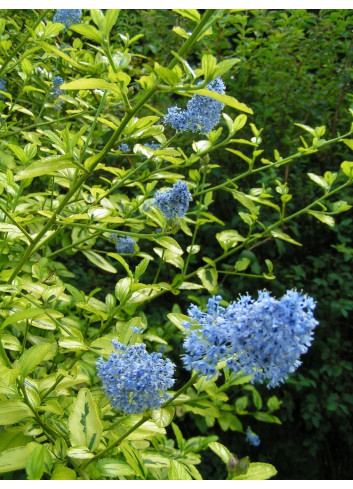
[242, 264]
[190, 13]
[62, 473]
[30, 313]
[220, 450]
[111, 467]
[72, 343]
[14, 458]
[340, 206]
[163, 417]
[347, 168]
[204, 408]
[84, 424]
[241, 155]
[169, 243]
[123, 262]
[178, 319]
[99, 261]
[134, 459]
[306, 128]
[224, 66]
[321, 216]
[168, 76]
[225, 99]
[13, 411]
[13, 437]
[81, 452]
[181, 32]
[141, 268]
[89, 84]
[239, 122]
[146, 431]
[208, 277]
[35, 463]
[208, 65]
[10, 342]
[257, 471]
[46, 166]
[267, 418]
[123, 289]
[18, 151]
[284, 237]
[178, 472]
[229, 238]
[111, 16]
[33, 357]
[319, 180]
[88, 31]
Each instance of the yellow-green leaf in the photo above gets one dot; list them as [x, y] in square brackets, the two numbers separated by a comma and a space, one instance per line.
[225, 99]
[46, 166]
[14, 458]
[99, 261]
[257, 471]
[33, 357]
[12, 411]
[84, 424]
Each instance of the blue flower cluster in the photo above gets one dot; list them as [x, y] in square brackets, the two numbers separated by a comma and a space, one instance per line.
[68, 17]
[263, 338]
[152, 145]
[252, 438]
[202, 113]
[124, 148]
[55, 91]
[3, 87]
[175, 201]
[135, 380]
[124, 244]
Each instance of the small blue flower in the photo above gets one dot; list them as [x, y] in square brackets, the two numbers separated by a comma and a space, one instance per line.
[175, 201]
[125, 244]
[57, 81]
[68, 17]
[263, 338]
[252, 438]
[3, 87]
[152, 145]
[55, 91]
[202, 113]
[135, 380]
[124, 148]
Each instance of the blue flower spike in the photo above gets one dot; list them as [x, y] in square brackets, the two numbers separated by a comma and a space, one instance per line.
[68, 17]
[3, 87]
[263, 338]
[202, 113]
[125, 244]
[252, 438]
[135, 380]
[175, 201]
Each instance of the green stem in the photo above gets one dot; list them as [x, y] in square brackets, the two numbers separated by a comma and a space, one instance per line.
[275, 164]
[23, 231]
[4, 355]
[8, 134]
[273, 226]
[196, 224]
[51, 435]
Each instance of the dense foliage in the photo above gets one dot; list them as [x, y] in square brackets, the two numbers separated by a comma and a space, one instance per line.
[138, 231]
